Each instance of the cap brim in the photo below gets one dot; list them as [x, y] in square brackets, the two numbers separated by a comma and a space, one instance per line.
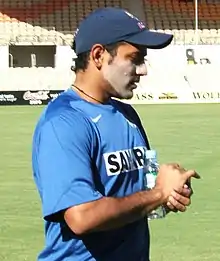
[150, 39]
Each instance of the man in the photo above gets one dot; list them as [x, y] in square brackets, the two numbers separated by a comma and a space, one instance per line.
[88, 150]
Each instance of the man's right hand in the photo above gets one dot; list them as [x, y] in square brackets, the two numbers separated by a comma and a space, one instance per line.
[172, 178]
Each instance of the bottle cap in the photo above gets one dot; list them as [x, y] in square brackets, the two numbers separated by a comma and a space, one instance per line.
[151, 154]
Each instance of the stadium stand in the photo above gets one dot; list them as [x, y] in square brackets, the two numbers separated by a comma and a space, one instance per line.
[179, 16]
[46, 21]
[162, 14]
[53, 22]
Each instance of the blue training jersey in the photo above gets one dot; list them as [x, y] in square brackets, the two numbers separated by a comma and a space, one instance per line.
[82, 152]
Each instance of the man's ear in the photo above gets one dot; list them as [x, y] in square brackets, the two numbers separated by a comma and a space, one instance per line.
[97, 55]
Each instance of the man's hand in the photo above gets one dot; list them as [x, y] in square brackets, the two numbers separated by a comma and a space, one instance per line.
[179, 201]
[172, 177]
[175, 180]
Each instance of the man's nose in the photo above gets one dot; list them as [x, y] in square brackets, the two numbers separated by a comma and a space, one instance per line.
[141, 69]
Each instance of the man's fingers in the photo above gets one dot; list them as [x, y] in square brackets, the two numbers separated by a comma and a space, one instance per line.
[176, 204]
[191, 174]
[182, 199]
[170, 207]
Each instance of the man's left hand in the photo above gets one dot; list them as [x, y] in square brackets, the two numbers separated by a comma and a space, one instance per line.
[178, 201]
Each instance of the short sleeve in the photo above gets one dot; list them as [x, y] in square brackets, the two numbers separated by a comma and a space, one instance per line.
[64, 161]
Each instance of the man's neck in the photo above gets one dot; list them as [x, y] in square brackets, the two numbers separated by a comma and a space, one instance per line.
[90, 89]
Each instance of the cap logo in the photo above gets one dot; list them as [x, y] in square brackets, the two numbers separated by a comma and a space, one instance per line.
[141, 25]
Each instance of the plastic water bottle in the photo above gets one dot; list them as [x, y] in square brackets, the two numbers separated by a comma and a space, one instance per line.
[151, 168]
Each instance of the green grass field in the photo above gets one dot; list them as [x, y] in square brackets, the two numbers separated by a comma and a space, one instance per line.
[189, 134]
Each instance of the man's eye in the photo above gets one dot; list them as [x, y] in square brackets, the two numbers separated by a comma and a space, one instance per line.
[137, 61]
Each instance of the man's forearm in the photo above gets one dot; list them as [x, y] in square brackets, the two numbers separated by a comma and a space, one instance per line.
[111, 213]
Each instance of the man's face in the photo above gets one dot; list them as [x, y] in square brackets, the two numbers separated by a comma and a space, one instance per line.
[123, 71]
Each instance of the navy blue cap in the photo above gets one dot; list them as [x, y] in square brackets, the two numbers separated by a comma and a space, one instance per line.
[111, 25]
